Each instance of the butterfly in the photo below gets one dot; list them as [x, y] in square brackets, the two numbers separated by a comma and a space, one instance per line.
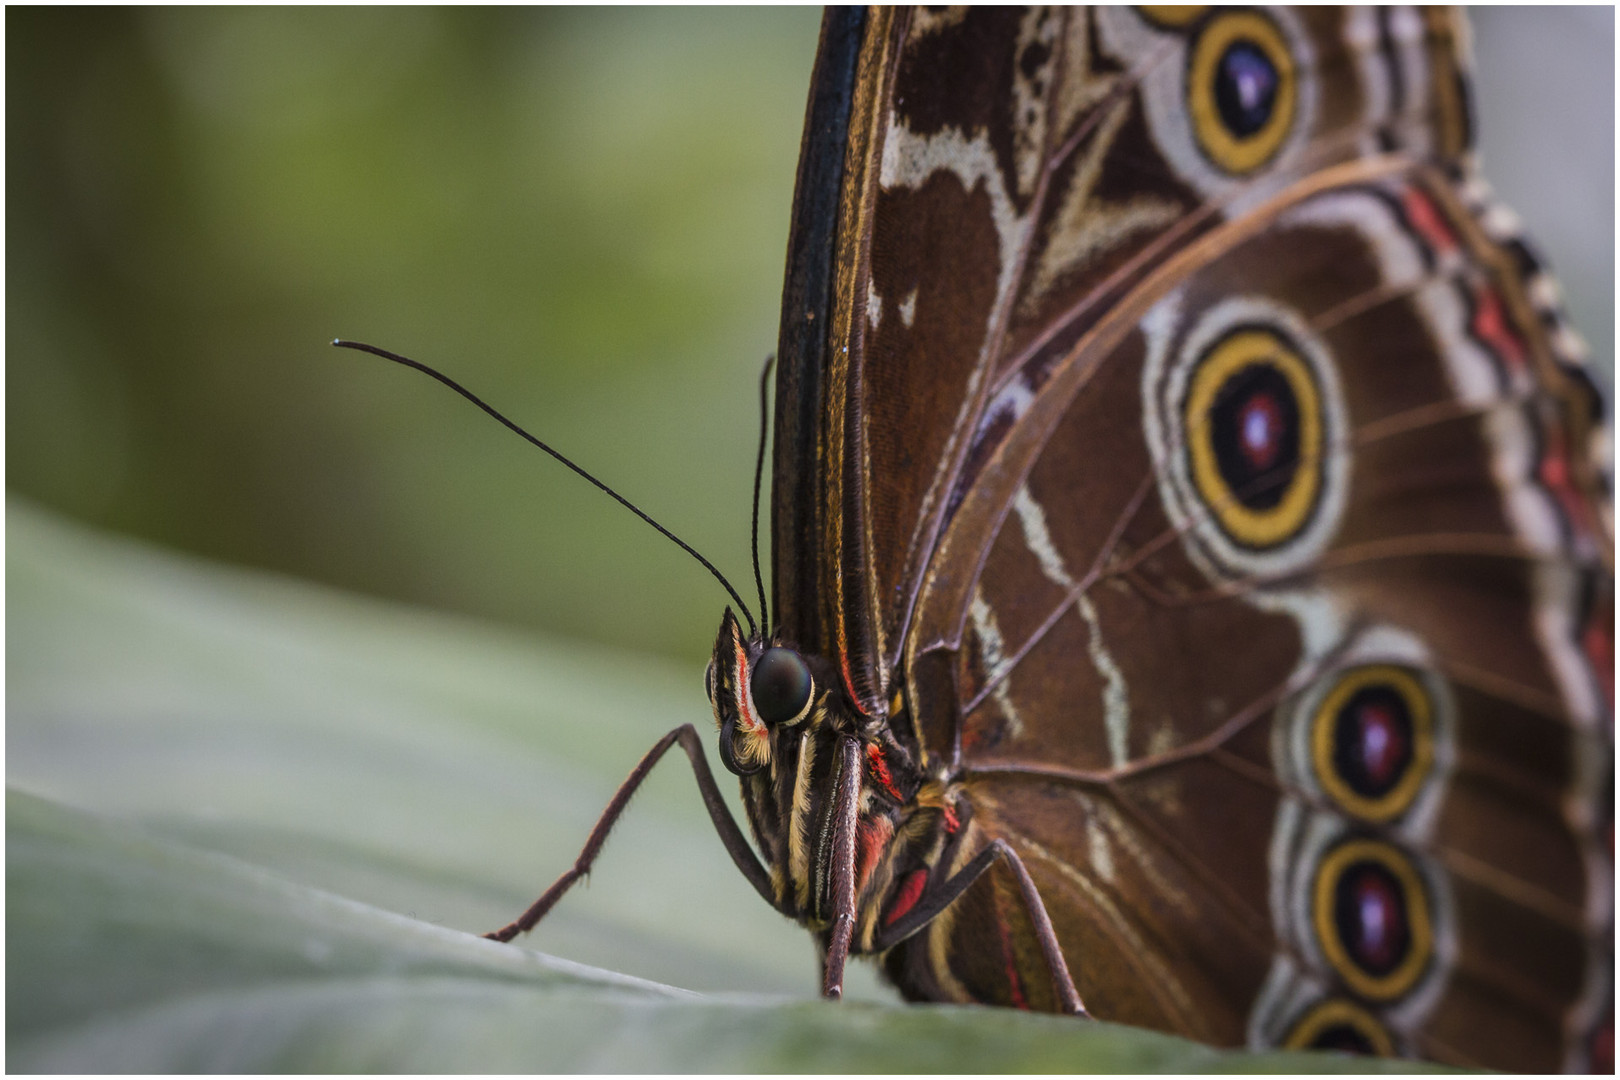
[1191, 558]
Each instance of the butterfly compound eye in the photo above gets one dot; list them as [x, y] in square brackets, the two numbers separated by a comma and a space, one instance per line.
[781, 686]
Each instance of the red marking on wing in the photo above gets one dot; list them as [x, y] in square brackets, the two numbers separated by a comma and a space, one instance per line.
[1013, 982]
[911, 890]
[952, 823]
[1602, 1049]
[745, 705]
[880, 769]
[875, 834]
[1558, 476]
[1598, 643]
[971, 738]
[1490, 325]
[1427, 220]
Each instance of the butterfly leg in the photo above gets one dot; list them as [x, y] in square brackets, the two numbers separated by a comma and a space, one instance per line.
[724, 824]
[945, 895]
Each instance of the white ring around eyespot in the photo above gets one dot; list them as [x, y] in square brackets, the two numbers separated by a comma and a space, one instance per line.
[1174, 352]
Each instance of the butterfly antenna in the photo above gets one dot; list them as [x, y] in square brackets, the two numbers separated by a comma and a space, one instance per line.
[759, 472]
[626, 503]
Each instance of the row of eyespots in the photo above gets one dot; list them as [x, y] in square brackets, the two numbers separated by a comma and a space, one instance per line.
[1242, 88]
[1372, 739]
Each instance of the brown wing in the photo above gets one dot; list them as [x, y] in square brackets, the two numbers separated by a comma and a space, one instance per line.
[1219, 495]
[1186, 725]
[1000, 177]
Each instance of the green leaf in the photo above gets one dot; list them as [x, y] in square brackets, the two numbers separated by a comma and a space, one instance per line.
[253, 826]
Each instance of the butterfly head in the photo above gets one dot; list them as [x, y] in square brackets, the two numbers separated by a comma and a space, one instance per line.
[785, 728]
[757, 687]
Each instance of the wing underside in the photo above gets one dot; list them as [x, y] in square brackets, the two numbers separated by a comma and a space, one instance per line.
[1204, 470]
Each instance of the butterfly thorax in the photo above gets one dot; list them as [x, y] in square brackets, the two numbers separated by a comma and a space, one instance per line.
[784, 723]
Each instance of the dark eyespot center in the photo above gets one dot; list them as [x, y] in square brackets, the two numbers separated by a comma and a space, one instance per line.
[781, 685]
[1255, 428]
[1370, 907]
[1344, 1038]
[1373, 740]
[1246, 83]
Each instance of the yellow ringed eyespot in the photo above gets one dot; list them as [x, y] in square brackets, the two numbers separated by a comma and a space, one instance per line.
[1371, 915]
[1337, 1024]
[1242, 90]
[1255, 435]
[1372, 740]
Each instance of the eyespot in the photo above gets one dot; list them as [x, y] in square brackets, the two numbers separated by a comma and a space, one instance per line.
[1253, 417]
[1244, 416]
[1372, 740]
[1337, 1024]
[780, 686]
[1372, 918]
[1241, 90]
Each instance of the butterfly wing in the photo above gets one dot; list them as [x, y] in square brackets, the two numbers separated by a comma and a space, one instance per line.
[1208, 466]
[976, 187]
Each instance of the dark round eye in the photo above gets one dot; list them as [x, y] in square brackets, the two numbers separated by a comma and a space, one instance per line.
[780, 685]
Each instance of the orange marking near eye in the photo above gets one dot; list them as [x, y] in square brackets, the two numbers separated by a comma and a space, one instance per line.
[745, 707]
[849, 683]
[880, 769]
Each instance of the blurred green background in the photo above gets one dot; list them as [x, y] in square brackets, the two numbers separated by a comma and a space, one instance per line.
[581, 214]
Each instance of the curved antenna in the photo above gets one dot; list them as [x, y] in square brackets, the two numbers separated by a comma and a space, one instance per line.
[626, 503]
[759, 469]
